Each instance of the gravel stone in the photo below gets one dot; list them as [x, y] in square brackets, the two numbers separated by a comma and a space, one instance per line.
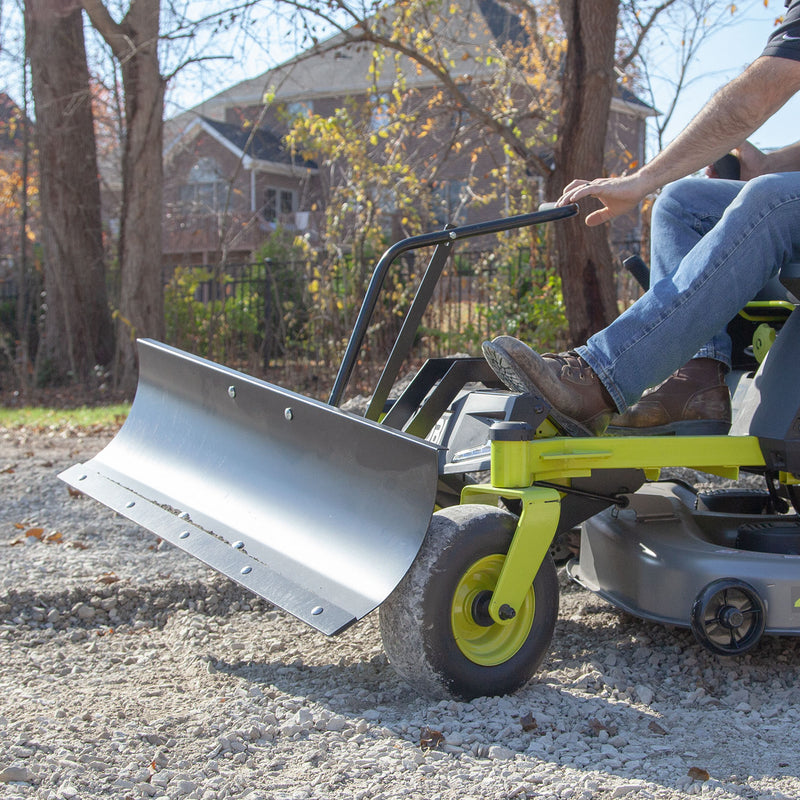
[131, 670]
[15, 774]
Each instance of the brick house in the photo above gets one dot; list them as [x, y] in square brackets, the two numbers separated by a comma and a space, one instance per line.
[214, 146]
[14, 128]
[228, 186]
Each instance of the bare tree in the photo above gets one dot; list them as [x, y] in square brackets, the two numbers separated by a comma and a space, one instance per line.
[78, 332]
[134, 43]
[587, 86]
[586, 67]
[681, 28]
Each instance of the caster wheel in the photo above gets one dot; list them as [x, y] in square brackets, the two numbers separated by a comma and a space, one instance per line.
[436, 627]
[728, 617]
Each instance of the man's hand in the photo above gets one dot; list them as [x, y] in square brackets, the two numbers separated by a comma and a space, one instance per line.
[617, 195]
[732, 114]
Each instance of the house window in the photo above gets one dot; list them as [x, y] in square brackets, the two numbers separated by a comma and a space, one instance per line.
[449, 200]
[204, 189]
[379, 115]
[277, 202]
[300, 108]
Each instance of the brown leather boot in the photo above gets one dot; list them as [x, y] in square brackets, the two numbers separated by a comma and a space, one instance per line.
[581, 406]
[693, 401]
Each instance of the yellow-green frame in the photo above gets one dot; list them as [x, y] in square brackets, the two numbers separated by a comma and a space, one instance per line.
[516, 465]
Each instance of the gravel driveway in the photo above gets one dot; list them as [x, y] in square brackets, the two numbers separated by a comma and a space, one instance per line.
[129, 670]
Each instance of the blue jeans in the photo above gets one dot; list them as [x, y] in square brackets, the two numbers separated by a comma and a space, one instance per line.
[715, 243]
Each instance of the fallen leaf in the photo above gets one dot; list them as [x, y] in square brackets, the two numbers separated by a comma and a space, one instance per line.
[430, 739]
[656, 728]
[35, 533]
[108, 577]
[54, 538]
[75, 492]
[19, 526]
[596, 726]
[528, 722]
[698, 774]
[78, 545]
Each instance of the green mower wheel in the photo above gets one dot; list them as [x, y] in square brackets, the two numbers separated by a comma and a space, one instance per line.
[436, 627]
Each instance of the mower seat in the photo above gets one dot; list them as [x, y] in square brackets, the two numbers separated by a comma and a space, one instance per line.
[789, 276]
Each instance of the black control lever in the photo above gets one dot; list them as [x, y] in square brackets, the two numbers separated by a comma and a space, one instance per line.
[728, 167]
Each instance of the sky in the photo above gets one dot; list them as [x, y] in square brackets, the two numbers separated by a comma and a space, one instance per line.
[724, 56]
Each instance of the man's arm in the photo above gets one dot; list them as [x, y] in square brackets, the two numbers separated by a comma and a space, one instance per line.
[787, 159]
[732, 114]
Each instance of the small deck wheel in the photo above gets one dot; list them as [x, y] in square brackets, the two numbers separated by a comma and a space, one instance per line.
[436, 627]
[728, 617]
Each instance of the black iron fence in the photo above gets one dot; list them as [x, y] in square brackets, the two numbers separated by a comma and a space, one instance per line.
[282, 321]
[289, 322]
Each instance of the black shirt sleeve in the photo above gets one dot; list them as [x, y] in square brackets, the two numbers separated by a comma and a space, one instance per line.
[785, 40]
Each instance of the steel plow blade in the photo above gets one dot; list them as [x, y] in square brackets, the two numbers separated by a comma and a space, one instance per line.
[316, 510]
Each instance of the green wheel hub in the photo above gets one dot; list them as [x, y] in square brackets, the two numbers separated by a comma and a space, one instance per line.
[487, 645]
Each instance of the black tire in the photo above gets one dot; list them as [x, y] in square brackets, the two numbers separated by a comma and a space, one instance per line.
[728, 617]
[416, 620]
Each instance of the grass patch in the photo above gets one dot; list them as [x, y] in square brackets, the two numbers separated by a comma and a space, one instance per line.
[84, 418]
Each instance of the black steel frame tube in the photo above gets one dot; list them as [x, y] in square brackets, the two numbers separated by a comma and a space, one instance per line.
[414, 243]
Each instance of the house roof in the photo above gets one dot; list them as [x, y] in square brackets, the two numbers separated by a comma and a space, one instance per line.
[627, 99]
[260, 144]
[334, 68]
[505, 27]
[258, 148]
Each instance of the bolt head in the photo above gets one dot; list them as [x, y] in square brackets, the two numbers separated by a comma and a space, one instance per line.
[506, 612]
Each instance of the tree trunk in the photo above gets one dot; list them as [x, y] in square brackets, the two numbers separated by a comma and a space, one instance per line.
[584, 256]
[134, 42]
[78, 332]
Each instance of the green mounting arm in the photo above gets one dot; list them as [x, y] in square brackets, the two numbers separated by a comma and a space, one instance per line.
[541, 508]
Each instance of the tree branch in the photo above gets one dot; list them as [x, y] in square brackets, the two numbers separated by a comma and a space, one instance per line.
[112, 31]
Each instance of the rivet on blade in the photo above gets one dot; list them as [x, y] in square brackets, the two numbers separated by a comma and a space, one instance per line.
[289, 414]
[316, 611]
[237, 545]
[231, 391]
[185, 535]
[131, 504]
[246, 570]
